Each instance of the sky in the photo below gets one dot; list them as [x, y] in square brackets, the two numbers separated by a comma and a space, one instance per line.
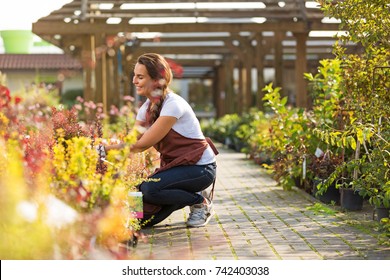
[20, 14]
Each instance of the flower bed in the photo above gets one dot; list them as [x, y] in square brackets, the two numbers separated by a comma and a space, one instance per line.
[59, 199]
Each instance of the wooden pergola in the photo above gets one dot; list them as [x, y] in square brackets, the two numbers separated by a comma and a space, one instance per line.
[209, 39]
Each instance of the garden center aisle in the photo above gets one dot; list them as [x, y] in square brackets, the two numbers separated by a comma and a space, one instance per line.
[255, 219]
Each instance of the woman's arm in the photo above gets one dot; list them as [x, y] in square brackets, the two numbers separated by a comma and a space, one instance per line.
[154, 134]
[151, 136]
[139, 126]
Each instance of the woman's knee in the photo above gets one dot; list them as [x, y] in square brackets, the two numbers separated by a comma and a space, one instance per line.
[148, 192]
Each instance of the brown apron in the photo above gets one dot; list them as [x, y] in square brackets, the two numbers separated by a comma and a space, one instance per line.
[176, 150]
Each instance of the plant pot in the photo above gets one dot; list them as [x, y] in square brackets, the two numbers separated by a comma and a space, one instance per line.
[229, 143]
[17, 41]
[297, 182]
[350, 199]
[238, 144]
[331, 194]
[382, 212]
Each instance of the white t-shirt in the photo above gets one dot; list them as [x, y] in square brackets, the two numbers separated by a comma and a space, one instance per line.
[187, 123]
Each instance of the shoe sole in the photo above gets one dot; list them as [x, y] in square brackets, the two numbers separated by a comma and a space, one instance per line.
[205, 222]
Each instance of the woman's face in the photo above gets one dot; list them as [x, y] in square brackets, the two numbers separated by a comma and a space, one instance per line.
[142, 81]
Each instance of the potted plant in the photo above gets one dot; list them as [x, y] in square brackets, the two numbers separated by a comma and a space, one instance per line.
[350, 198]
[286, 139]
[364, 84]
[374, 180]
[323, 165]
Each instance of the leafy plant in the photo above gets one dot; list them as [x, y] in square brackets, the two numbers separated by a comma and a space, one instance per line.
[66, 124]
[287, 138]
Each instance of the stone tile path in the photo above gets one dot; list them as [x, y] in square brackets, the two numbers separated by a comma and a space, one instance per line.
[256, 219]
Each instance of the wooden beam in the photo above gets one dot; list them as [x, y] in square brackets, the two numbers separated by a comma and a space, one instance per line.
[56, 27]
[185, 50]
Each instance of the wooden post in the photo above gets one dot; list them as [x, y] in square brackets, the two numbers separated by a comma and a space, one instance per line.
[229, 85]
[104, 84]
[88, 61]
[259, 57]
[300, 69]
[248, 83]
[240, 95]
[278, 59]
[220, 91]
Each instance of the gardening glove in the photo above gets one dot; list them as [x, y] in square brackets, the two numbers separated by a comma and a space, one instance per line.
[101, 151]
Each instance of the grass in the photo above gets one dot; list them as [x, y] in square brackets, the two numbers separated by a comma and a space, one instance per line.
[321, 209]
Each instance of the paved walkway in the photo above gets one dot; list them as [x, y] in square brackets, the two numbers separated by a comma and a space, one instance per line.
[255, 219]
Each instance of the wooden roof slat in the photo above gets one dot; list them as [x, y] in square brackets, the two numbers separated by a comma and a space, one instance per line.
[53, 28]
[292, 7]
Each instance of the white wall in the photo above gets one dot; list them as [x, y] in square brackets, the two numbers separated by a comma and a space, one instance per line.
[19, 80]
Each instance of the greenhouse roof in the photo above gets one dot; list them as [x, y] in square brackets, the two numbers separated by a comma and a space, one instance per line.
[197, 33]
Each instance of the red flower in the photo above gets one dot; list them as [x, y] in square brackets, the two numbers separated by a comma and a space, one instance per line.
[17, 100]
[4, 91]
[5, 96]
[176, 68]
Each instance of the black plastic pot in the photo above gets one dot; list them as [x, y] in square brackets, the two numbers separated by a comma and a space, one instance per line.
[382, 212]
[331, 194]
[350, 200]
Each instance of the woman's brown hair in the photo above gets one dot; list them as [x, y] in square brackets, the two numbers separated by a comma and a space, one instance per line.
[159, 71]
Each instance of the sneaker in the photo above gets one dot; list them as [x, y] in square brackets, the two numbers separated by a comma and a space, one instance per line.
[200, 214]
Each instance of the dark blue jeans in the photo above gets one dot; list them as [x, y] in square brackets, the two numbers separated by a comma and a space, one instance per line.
[176, 188]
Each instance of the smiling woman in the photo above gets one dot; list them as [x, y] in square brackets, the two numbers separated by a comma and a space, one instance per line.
[188, 162]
